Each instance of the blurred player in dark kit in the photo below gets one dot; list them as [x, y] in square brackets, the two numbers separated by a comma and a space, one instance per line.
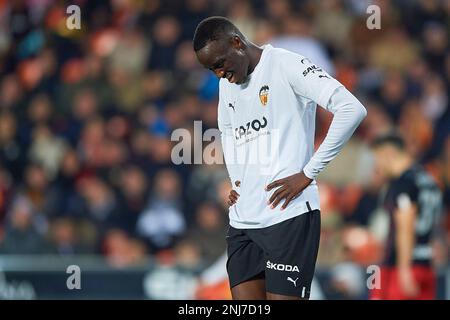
[413, 202]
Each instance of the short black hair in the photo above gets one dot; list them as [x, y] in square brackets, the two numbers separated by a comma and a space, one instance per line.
[212, 28]
[391, 139]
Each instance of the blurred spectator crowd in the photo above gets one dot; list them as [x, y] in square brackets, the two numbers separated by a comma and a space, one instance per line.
[86, 118]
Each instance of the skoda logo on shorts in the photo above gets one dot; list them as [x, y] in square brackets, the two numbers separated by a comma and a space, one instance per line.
[281, 267]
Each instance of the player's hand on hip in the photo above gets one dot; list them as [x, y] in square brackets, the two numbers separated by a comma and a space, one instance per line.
[232, 197]
[289, 188]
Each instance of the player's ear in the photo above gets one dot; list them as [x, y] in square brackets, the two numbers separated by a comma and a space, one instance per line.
[237, 42]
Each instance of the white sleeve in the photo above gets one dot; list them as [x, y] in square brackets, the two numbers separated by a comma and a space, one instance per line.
[312, 82]
[307, 79]
[348, 114]
[228, 142]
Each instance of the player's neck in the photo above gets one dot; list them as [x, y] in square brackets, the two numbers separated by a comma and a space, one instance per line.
[255, 53]
[402, 164]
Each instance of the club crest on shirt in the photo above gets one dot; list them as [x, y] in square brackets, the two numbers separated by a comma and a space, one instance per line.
[264, 94]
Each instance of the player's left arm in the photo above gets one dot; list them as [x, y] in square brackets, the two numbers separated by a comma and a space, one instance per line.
[405, 220]
[348, 113]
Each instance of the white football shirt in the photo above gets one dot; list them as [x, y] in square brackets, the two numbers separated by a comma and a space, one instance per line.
[268, 126]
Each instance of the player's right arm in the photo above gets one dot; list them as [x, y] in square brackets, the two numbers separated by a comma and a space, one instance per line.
[228, 148]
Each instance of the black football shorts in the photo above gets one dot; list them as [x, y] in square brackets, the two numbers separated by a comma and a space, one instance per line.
[283, 254]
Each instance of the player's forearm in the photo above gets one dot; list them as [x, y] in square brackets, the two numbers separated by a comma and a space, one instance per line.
[229, 151]
[348, 114]
[404, 241]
